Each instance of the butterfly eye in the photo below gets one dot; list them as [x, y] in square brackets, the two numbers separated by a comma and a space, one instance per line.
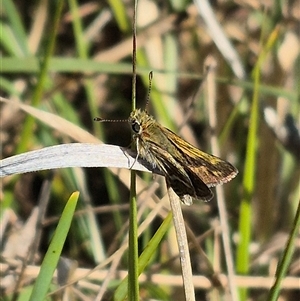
[136, 127]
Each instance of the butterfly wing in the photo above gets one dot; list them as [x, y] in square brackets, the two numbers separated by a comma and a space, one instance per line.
[211, 169]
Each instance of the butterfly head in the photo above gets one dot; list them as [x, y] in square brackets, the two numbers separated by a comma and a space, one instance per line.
[138, 120]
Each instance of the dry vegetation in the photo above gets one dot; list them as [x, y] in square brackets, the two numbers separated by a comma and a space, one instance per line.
[88, 75]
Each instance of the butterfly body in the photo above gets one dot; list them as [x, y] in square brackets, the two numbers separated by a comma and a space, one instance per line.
[188, 170]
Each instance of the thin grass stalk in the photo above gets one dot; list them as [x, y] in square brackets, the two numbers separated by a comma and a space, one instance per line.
[133, 282]
[133, 273]
[211, 65]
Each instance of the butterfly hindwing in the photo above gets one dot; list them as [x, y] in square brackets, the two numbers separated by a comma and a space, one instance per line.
[181, 178]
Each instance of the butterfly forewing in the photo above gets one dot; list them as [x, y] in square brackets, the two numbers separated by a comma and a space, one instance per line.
[211, 169]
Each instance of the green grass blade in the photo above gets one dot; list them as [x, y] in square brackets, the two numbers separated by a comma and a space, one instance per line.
[63, 64]
[8, 41]
[27, 129]
[50, 261]
[286, 259]
[18, 32]
[250, 170]
[121, 291]
[119, 11]
[81, 45]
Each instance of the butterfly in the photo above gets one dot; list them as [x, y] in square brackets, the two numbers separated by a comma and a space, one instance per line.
[189, 171]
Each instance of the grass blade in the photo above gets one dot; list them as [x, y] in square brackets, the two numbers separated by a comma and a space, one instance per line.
[52, 256]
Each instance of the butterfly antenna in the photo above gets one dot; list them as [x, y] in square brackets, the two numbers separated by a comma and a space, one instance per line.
[109, 120]
[149, 89]
[134, 56]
